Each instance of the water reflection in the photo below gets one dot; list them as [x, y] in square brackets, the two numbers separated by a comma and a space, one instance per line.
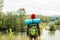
[52, 32]
[50, 35]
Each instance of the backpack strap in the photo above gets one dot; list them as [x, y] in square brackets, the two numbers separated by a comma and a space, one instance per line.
[27, 29]
[38, 29]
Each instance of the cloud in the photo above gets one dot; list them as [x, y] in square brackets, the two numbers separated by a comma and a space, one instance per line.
[43, 7]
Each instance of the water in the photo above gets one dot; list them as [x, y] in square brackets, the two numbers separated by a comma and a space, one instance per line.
[46, 35]
[50, 35]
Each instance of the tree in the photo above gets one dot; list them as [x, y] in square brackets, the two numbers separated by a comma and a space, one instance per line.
[21, 12]
[57, 22]
[1, 5]
[45, 19]
[11, 21]
[1, 13]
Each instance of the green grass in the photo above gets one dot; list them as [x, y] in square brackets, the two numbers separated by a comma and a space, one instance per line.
[42, 26]
[11, 36]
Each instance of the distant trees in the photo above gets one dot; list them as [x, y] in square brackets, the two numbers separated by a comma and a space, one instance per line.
[22, 12]
[45, 19]
[1, 14]
[1, 5]
[53, 18]
[57, 22]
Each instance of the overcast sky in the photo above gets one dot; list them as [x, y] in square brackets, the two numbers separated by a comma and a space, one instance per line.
[43, 7]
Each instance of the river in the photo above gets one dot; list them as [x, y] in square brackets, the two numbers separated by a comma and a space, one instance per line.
[48, 35]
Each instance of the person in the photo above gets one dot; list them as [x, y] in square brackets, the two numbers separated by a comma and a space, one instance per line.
[30, 30]
[35, 36]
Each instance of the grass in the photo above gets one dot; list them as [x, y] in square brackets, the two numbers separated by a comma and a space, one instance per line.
[42, 26]
[11, 36]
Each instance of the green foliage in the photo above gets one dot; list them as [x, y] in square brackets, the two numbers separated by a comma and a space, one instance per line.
[22, 12]
[57, 22]
[13, 21]
[1, 5]
[45, 19]
[52, 27]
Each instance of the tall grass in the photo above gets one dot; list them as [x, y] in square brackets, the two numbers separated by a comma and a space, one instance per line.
[9, 36]
[12, 36]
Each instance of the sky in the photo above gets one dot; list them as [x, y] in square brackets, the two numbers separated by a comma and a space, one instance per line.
[41, 7]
